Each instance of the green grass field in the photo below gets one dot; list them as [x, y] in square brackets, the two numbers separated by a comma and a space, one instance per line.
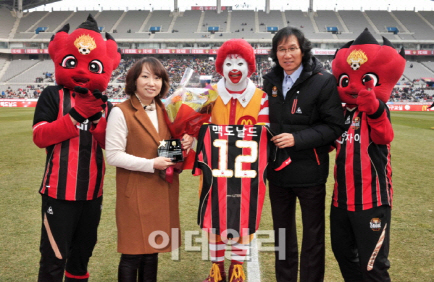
[21, 168]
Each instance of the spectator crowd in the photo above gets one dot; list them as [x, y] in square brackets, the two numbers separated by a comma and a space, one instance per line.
[202, 66]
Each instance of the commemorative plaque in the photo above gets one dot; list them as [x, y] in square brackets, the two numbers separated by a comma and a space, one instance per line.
[171, 149]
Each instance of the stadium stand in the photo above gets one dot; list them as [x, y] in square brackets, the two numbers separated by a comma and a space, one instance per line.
[246, 24]
[326, 19]
[427, 16]
[272, 19]
[17, 67]
[214, 19]
[31, 21]
[77, 18]
[33, 72]
[160, 18]
[383, 19]
[130, 22]
[412, 22]
[429, 65]
[54, 20]
[107, 19]
[300, 20]
[355, 22]
[190, 29]
[7, 22]
[416, 70]
[187, 22]
[243, 21]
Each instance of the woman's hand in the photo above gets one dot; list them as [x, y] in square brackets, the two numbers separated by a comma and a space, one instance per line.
[283, 140]
[186, 141]
[161, 163]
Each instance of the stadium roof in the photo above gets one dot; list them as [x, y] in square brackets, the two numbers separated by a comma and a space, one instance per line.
[25, 4]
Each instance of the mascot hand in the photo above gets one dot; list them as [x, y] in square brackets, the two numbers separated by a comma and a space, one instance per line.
[87, 105]
[367, 100]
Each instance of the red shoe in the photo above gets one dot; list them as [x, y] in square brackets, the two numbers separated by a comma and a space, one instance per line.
[236, 273]
[217, 273]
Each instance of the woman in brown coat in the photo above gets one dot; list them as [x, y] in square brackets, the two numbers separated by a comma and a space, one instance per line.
[147, 214]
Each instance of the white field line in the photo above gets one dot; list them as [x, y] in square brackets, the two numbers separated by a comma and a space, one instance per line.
[253, 270]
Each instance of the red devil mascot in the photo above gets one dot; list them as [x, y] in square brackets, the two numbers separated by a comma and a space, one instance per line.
[70, 122]
[362, 198]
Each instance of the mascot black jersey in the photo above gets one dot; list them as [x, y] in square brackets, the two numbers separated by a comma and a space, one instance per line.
[74, 169]
[363, 172]
[233, 161]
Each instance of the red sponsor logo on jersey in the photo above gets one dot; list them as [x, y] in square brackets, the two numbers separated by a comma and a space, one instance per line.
[246, 120]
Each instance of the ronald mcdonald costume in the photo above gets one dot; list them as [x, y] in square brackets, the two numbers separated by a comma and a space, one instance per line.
[239, 103]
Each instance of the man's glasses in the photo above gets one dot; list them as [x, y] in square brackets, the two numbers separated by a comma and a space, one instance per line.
[290, 50]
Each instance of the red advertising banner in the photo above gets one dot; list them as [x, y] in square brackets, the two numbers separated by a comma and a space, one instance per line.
[32, 51]
[419, 52]
[138, 51]
[210, 8]
[174, 51]
[395, 106]
[323, 52]
[204, 51]
[261, 51]
[17, 51]
[17, 103]
[29, 51]
[129, 51]
[164, 51]
[209, 51]
[147, 51]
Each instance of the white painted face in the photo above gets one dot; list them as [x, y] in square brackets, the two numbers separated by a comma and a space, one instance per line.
[235, 70]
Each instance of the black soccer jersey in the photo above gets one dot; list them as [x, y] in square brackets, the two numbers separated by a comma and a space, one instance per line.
[363, 172]
[233, 160]
[74, 168]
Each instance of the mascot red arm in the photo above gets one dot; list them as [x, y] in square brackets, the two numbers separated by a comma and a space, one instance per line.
[84, 62]
[366, 73]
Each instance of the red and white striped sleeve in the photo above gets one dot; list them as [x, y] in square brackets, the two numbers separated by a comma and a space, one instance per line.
[263, 111]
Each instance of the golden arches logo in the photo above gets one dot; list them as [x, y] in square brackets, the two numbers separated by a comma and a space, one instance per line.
[425, 108]
[246, 120]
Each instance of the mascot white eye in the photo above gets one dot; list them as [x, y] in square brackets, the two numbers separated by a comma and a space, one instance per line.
[96, 66]
[373, 76]
[344, 80]
[69, 62]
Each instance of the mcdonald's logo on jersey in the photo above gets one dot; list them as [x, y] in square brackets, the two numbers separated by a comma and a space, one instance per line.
[246, 120]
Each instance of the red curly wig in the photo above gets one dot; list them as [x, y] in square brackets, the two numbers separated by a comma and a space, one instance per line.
[236, 47]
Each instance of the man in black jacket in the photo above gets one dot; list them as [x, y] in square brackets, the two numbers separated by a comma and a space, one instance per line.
[306, 116]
